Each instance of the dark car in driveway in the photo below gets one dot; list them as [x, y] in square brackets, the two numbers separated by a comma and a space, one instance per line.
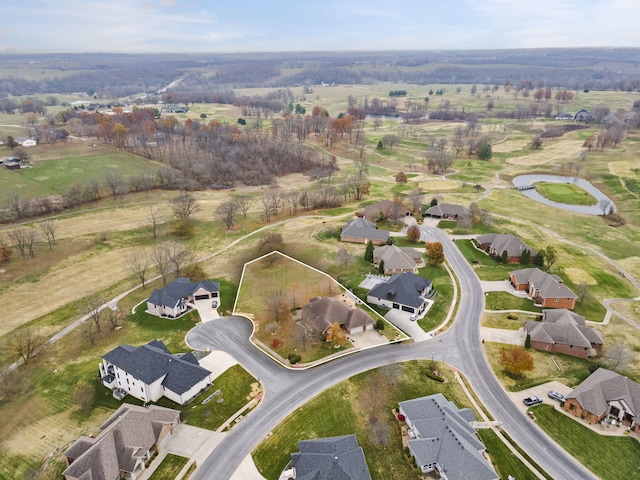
[532, 400]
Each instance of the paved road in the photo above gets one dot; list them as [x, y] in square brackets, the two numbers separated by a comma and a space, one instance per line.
[287, 390]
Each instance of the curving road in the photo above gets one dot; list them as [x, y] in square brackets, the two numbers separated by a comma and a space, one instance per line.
[287, 390]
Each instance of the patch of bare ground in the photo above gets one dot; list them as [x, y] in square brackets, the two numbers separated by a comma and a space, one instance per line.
[73, 282]
[510, 145]
[551, 151]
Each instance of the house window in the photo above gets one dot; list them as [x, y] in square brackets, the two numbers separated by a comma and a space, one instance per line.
[572, 407]
[556, 300]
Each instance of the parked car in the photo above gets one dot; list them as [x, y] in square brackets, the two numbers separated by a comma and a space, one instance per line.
[532, 400]
[556, 396]
[413, 317]
[214, 304]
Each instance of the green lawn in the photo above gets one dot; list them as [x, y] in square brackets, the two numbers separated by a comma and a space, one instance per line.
[441, 281]
[610, 458]
[565, 193]
[506, 301]
[486, 267]
[169, 468]
[504, 461]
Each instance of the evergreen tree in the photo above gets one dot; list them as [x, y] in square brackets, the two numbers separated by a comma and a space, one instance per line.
[525, 258]
[368, 253]
[505, 257]
[381, 267]
[527, 341]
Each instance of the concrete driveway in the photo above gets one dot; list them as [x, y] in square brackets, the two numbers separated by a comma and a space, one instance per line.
[206, 311]
[540, 391]
[401, 320]
[218, 362]
[193, 442]
[499, 335]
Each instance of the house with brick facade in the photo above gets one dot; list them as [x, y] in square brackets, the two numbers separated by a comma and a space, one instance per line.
[321, 312]
[564, 331]
[128, 439]
[544, 289]
[398, 259]
[497, 243]
[606, 394]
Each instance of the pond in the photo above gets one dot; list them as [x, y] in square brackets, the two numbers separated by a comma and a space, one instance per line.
[528, 180]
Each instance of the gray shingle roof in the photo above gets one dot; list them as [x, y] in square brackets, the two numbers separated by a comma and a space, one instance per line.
[180, 288]
[333, 458]
[563, 326]
[397, 258]
[364, 229]
[550, 286]
[604, 386]
[153, 361]
[404, 288]
[505, 241]
[446, 438]
[448, 209]
[322, 312]
[124, 438]
[386, 207]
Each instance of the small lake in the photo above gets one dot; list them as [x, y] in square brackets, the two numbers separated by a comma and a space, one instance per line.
[526, 180]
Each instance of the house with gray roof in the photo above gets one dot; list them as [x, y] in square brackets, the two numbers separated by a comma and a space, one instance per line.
[443, 439]
[497, 243]
[332, 458]
[129, 438]
[606, 394]
[180, 295]
[398, 259]
[544, 289]
[361, 230]
[447, 211]
[321, 312]
[404, 291]
[150, 372]
[564, 331]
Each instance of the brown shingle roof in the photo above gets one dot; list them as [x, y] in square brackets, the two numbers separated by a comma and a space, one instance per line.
[604, 386]
[397, 258]
[563, 326]
[322, 312]
[550, 286]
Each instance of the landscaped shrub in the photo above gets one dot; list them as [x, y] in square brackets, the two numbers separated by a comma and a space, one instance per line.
[512, 316]
[294, 358]
[379, 324]
[433, 376]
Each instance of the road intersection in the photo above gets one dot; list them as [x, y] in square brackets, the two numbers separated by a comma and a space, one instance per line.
[286, 390]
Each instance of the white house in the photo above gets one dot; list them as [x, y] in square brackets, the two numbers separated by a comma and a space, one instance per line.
[176, 298]
[150, 372]
[407, 292]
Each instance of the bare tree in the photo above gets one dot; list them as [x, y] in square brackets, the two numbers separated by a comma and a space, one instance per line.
[24, 240]
[344, 258]
[396, 210]
[92, 307]
[17, 205]
[25, 344]
[5, 249]
[277, 309]
[374, 395]
[178, 255]
[183, 206]
[618, 357]
[244, 202]
[48, 228]
[115, 317]
[161, 260]
[415, 200]
[115, 183]
[226, 212]
[138, 263]
[155, 219]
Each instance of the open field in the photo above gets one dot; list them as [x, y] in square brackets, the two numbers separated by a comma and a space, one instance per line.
[565, 193]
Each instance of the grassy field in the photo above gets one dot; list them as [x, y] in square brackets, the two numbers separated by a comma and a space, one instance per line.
[617, 457]
[338, 411]
[565, 193]
[504, 461]
[570, 370]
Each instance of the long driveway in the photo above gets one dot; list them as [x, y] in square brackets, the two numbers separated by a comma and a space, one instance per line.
[287, 390]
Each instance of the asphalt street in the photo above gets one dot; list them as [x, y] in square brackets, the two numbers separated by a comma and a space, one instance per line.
[286, 390]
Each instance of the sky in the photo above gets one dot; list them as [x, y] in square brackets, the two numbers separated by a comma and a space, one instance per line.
[200, 26]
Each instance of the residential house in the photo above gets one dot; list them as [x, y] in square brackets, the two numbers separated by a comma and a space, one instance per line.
[404, 291]
[398, 259]
[497, 243]
[544, 289]
[447, 211]
[385, 209]
[564, 116]
[361, 230]
[606, 394]
[172, 108]
[150, 372]
[583, 116]
[322, 312]
[564, 331]
[129, 438]
[332, 458]
[176, 298]
[26, 142]
[442, 439]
